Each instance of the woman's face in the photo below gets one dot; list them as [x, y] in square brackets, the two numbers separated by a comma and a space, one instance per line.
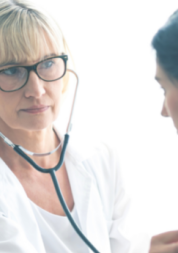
[33, 107]
[170, 104]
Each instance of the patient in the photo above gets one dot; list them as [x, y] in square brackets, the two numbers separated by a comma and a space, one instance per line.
[165, 43]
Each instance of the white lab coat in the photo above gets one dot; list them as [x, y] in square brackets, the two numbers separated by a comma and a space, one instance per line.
[99, 197]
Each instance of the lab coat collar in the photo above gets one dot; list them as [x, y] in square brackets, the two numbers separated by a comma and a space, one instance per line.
[77, 150]
[88, 205]
[86, 197]
[84, 188]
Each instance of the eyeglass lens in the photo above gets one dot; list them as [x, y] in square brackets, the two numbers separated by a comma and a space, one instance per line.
[15, 77]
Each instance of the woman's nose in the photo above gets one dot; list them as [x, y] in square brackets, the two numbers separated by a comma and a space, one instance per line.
[164, 111]
[35, 86]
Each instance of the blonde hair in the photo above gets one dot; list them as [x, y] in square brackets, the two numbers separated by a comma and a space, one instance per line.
[26, 30]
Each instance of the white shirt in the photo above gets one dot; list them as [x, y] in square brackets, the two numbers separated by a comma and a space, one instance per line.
[98, 193]
[57, 229]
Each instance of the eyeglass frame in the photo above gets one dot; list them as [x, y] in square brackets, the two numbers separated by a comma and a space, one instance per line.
[34, 68]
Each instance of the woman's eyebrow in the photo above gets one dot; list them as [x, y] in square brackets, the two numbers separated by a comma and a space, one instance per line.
[48, 56]
[9, 63]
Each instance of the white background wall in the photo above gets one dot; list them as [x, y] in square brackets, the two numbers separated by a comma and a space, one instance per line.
[120, 102]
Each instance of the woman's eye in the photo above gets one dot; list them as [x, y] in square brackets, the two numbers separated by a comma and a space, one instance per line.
[46, 65]
[10, 72]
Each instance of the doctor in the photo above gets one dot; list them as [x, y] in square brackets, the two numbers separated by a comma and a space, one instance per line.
[165, 43]
[32, 219]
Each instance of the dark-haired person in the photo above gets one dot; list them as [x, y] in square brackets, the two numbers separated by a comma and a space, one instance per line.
[165, 43]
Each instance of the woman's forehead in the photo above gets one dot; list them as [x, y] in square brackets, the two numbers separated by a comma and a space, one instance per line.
[21, 51]
[46, 50]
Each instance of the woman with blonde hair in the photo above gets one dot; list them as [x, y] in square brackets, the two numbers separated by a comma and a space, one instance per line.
[33, 79]
[165, 43]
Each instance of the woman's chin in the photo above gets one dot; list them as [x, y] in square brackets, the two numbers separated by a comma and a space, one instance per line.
[38, 126]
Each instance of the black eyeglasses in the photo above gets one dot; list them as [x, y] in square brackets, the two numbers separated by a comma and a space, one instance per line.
[51, 69]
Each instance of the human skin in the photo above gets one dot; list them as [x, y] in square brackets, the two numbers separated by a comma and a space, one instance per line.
[164, 243]
[167, 242]
[34, 132]
[170, 87]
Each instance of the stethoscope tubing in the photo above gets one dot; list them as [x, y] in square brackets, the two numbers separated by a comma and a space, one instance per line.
[57, 188]
[51, 171]
[36, 166]
[67, 212]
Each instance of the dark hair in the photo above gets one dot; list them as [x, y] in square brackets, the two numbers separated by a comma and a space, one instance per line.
[165, 42]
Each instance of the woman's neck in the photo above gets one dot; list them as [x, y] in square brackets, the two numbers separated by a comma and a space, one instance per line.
[41, 141]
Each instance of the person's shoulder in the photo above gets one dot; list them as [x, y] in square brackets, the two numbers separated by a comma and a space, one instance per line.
[87, 148]
[99, 158]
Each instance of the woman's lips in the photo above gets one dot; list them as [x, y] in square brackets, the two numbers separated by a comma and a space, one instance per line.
[35, 110]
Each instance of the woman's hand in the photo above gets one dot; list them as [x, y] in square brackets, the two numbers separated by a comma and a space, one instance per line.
[164, 243]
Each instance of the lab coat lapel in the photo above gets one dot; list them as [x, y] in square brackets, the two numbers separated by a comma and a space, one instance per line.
[81, 189]
[12, 197]
[86, 197]
[88, 205]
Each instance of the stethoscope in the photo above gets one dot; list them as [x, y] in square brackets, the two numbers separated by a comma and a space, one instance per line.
[23, 153]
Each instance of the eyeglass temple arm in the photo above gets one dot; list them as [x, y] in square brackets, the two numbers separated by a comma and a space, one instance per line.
[69, 126]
